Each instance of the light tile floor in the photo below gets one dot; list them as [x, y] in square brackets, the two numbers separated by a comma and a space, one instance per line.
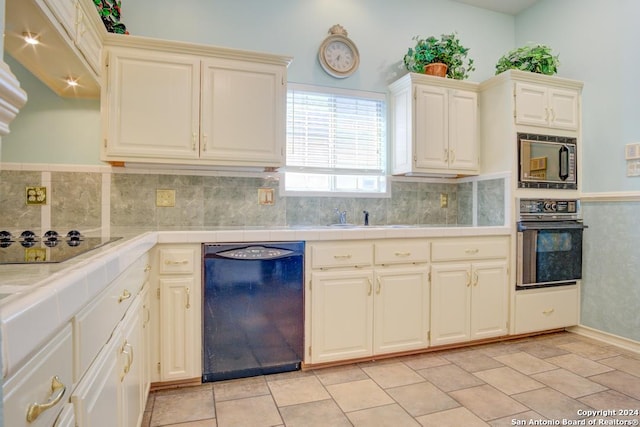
[550, 377]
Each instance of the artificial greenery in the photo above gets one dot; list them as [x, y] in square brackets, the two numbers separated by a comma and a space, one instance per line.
[447, 49]
[536, 58]
[109, 11]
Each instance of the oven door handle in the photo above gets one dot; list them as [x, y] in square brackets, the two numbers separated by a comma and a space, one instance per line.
[559, 225]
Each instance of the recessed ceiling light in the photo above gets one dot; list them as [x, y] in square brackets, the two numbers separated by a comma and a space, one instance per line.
[72, 81]
[31, 38]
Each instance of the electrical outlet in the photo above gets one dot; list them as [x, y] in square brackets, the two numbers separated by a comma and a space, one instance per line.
[36, 195]
[165, 198]
[444, 200]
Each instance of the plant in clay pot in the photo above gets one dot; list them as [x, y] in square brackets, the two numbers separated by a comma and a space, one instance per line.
[535, 58]
[446, 50]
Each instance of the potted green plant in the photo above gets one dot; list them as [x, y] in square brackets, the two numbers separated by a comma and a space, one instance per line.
[534, 58]
[446, 50]
[109, 11]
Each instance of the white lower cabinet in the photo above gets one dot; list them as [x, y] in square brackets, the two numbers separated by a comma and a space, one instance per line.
[360, 308]
[546, 308]
[67, 417]
[110, 393]
[401, 307]
[176, 341]
[341, 315]
[469, 300]
[37, 392]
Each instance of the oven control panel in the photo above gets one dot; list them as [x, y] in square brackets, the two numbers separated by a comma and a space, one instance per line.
[545, 208]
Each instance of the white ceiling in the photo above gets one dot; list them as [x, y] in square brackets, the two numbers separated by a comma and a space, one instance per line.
[511, 7]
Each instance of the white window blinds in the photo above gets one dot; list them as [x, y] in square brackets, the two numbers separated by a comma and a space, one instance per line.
[335, 132]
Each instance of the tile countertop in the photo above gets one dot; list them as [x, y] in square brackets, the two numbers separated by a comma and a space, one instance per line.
[37, 300]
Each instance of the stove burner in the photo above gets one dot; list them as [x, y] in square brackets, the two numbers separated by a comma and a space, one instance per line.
[74, 235]
[51, 243]
[5, 236]
[51, 235]
[28, 236]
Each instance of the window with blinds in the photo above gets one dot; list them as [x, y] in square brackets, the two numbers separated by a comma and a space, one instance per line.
[336, 141]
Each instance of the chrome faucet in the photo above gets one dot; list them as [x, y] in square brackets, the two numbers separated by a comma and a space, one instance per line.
[342, 216]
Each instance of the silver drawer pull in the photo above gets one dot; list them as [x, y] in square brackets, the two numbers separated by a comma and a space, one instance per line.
[57, 391]
[548, 311]
[403, 254]
[472, 251]
[348, 256]
[125, 296]
[170, 262]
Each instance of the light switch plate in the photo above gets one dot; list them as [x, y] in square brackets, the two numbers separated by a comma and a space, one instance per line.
[165, 198]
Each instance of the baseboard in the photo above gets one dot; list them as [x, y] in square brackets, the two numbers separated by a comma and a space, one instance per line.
[606, 337]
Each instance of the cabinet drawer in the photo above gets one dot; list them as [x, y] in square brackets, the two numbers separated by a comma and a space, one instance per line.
[401, 252]
[177, 260]
[546, 309]
[95, 323]
[346, 254]
[34, 382]
[469, 249]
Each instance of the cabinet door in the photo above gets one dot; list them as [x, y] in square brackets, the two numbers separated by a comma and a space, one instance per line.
[563, 106]
[132, 365]
[243, 113]
[97, 398]
[431, 139]
[180, 345]
[531, 105]
[463, 130]
[147, 343]
[451, 303]
[341, 315]
[489, 299]
[153, 105]
[401, 309]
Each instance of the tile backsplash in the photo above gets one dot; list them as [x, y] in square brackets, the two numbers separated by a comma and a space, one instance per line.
[77, 201]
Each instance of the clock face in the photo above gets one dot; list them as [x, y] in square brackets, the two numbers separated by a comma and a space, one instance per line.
[339, 57]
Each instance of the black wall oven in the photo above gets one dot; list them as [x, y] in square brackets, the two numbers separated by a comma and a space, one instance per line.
[549, 243]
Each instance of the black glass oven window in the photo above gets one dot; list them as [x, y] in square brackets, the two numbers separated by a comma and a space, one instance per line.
[559, 255]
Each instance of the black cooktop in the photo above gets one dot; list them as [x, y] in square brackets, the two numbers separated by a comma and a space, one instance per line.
[50, 248]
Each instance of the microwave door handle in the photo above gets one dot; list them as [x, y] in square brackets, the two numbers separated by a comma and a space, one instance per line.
[563, 160]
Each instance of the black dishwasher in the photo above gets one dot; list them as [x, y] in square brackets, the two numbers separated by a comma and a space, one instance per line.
[253, 311]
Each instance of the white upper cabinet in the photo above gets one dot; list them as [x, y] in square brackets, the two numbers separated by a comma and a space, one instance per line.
[545, 106]
[207, 106]
[243, 112]
[153, 105]
[435, 126]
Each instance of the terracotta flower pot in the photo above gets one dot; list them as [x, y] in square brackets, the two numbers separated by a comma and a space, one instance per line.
[436, 69]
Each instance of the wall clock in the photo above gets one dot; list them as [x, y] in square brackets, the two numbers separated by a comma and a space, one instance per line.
[338, 55]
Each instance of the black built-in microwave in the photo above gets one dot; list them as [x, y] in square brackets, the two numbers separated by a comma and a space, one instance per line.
[547, 161]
